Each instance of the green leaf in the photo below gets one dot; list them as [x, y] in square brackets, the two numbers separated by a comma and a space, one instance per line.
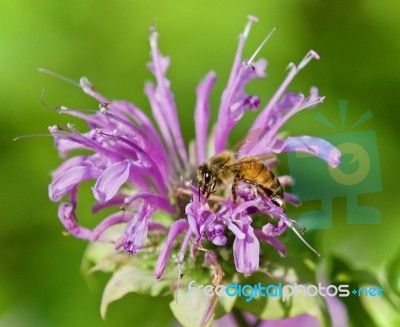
[101, 256]
[382, 310]
[191, 309]
[343, 273]
[131, 279]
[163, 218]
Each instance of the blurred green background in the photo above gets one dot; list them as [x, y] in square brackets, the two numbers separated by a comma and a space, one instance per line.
[358, 41]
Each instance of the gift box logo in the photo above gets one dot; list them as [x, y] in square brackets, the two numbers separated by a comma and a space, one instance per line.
[358, 174]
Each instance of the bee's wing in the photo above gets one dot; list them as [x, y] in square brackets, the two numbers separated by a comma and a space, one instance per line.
[258, 157]
[264, 156]
[249, 140]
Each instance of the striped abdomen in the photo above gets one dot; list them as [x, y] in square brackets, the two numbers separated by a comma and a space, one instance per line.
[256, 173]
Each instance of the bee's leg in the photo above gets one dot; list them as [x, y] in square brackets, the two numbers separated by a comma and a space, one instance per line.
[234, 185]
[199, 192]
[276, 199]
[257, 186]
[264, 190]
[207, 195]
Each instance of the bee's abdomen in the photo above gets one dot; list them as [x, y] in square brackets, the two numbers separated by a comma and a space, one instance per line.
[258, 174]
[277, 186]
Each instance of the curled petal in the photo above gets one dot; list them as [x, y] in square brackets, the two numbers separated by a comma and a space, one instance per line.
[66, 214]
[177, 228]
[314, 145]
[271, 230]
[109, 182]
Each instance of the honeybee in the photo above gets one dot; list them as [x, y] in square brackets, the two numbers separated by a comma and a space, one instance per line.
[224, 168]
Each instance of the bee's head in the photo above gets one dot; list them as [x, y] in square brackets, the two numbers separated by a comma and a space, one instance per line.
[206, 179]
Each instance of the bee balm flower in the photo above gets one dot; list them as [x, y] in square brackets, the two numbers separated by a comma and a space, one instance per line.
[137, 168]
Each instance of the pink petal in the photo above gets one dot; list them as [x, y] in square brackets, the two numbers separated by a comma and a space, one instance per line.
[246, 252]
[66, 214]
[202, 114]
[314, 145]
[177, 228]
[109, 182]
[66, 180]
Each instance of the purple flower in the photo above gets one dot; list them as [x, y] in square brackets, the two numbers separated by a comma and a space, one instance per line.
[137, 168]
[246, 250]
